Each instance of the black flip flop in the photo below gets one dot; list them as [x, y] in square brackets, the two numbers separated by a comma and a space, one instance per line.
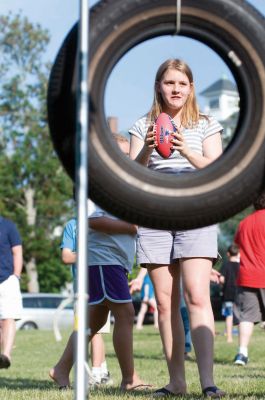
[65, 387]
[213, 392]
[163, 392]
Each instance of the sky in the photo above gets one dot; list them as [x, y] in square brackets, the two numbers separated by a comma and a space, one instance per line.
[129, 90]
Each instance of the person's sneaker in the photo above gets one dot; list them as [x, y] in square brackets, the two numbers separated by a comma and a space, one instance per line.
[106, 380]
[240, 359]
[93, 381]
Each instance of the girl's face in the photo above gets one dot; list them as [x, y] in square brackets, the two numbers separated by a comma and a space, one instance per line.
[174, 88]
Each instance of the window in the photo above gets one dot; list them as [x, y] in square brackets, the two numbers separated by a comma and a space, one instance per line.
[41, 302]
[50, 302]
[29, 302]
[214, 103]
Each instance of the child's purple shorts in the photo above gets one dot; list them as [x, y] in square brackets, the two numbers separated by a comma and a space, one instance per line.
[108, 282]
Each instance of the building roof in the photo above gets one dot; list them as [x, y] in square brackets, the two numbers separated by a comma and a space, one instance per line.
[222, 85]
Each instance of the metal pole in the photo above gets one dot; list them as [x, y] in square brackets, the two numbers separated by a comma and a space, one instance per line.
[81, 388]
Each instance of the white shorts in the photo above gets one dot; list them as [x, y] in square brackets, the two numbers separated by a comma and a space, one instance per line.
[165, 247]
[10, 299]
[106, 327]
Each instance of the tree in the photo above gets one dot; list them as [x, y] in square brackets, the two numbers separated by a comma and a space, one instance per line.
[34, 189]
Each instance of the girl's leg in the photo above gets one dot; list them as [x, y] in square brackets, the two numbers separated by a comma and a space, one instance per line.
[123, 342]
[153, 304]
[61, 371]
[141, 315]
[229, 328]
[196, 286]
[166, 285]
[98, 315]
[97, 356]
[97, 350]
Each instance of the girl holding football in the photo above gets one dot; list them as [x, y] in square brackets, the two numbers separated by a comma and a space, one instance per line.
[187, 254]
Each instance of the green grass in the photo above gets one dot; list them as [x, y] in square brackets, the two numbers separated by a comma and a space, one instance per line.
[36, 351]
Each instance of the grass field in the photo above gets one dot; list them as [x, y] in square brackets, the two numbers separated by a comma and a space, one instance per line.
[36, 351]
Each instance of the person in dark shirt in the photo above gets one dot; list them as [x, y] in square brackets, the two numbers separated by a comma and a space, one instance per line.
[228, 278]
[11, 262]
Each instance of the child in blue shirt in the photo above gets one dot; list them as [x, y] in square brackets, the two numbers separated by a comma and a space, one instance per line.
[111, 250]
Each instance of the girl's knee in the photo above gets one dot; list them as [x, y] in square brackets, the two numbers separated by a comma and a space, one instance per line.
[196, 299]
[124, 312]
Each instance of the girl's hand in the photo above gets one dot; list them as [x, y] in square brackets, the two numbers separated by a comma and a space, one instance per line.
[215, 276]
[150, 139]
[179, 144]
[135, 285]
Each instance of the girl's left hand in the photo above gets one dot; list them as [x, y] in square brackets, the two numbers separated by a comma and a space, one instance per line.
[179, 143]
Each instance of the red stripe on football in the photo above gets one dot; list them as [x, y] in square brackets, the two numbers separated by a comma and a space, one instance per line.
[164, 127]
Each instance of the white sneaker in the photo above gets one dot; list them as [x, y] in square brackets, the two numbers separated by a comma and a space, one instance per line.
[93, 381]
[106, 379]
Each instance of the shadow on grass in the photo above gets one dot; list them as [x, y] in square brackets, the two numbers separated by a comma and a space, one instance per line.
[142, 356]
[249, 395]
[241, 376]
[115, 393]
[150, 357]
[111, 392]
[225, 361]
[25, 384]
[230, 362]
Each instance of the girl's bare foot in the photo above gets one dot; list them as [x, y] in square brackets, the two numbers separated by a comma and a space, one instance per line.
[171, 390]
[135, 384]
[60, 378]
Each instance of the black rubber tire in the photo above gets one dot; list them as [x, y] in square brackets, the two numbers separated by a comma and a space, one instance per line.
[236, 31]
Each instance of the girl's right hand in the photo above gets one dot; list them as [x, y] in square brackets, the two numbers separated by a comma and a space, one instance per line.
[135, 285]
[150, 139]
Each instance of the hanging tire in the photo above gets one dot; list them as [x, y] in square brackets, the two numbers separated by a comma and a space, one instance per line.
[233, 29]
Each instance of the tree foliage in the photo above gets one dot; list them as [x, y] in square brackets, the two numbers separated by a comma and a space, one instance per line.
[28, 163]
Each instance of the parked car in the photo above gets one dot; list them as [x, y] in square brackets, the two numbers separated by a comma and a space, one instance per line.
[39, 310]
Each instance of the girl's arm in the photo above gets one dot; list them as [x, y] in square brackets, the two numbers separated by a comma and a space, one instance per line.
[68, 256]
[141, 150]
[212, 149]
[136, 284]
[17, 253]
[112, 226]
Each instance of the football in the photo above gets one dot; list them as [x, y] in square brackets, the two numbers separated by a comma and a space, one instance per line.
[164, 127]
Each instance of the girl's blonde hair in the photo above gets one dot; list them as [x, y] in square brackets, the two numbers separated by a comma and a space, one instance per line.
[190, 113]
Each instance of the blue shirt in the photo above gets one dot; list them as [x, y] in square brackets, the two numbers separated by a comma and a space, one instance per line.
[69, 240]
[109, 249]
[9, 237]
[103, 249]
[150, 292]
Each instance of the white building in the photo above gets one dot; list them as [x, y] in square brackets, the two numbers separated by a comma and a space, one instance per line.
[222, 102]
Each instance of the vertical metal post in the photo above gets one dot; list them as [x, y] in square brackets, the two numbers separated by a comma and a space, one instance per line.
[82, 127]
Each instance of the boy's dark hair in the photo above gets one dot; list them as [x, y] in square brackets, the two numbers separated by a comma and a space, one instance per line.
[233, 249]
[259, 203]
